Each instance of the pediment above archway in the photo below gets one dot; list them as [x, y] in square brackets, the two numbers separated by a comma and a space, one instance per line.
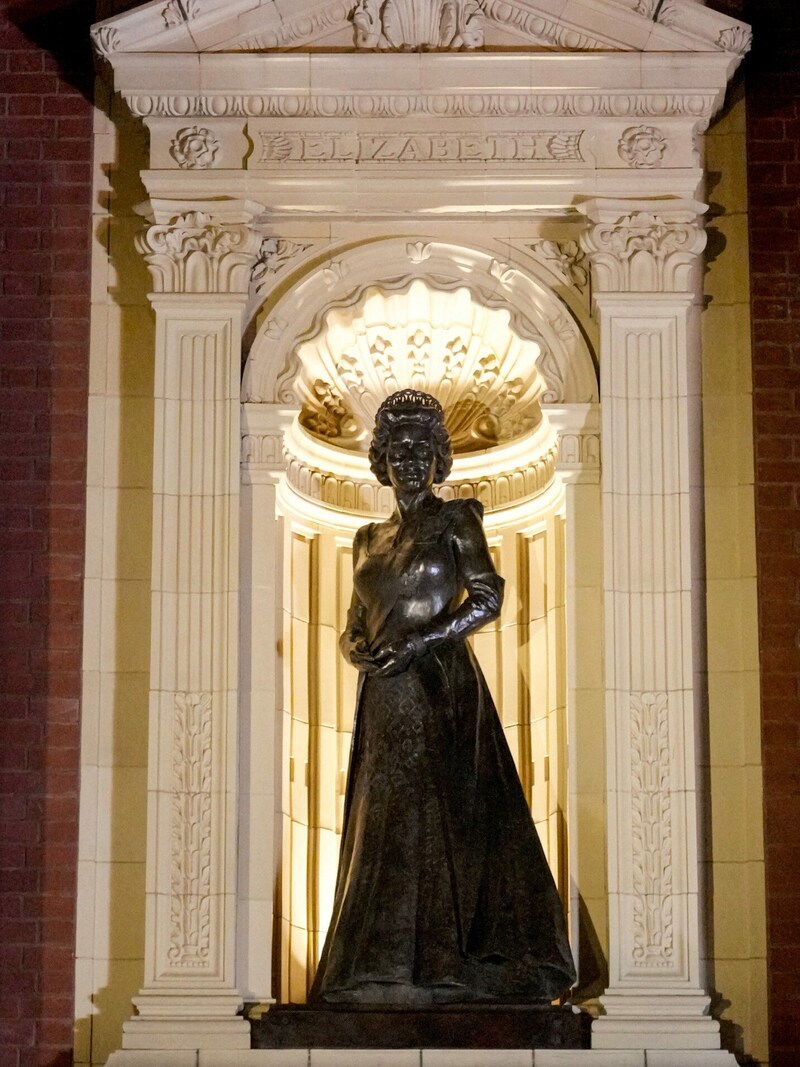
[421, 25]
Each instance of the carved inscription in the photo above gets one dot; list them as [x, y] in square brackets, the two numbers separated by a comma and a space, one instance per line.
[534, 146]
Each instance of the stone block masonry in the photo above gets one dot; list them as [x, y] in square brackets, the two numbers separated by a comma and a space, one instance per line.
[45, 141]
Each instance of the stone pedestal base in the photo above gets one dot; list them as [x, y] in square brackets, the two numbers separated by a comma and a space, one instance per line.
[461, 1026]
[415, 1057]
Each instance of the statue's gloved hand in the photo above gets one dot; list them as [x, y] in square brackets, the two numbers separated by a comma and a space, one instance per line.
[397, 656]
[356, 651]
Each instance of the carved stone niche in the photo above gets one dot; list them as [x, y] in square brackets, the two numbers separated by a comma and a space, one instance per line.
[422, 338]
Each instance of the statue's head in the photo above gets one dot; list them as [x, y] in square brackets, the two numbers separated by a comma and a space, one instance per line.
[410, 406]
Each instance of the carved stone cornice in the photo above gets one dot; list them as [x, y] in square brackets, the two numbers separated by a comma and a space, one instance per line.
[382, 104]
[643, 246]
[336, 478]
[205, 249]
[409, 25]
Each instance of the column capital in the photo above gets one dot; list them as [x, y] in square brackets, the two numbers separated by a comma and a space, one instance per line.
[200, 247]
[643, 246]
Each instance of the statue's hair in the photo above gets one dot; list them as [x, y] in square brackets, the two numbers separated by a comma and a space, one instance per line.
[420, 409]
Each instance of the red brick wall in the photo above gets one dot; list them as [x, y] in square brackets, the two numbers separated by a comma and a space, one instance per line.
[773, 103]
[45, 219]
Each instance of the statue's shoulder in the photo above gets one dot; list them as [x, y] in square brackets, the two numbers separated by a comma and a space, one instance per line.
[465, 509]
[363, 536]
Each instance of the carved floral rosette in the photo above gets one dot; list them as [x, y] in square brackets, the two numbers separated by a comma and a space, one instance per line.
[643, 147]
[194, 147]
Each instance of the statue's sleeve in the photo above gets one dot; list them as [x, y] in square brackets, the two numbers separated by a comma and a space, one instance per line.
[483, 584]
[354, 630]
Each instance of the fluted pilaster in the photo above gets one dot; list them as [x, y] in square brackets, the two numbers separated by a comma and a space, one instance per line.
[200, 258]
[646, 269]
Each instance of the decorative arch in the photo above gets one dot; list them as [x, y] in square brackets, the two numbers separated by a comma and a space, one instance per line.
[536, 312]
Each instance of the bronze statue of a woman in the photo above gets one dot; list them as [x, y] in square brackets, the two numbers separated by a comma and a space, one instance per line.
[443, 892]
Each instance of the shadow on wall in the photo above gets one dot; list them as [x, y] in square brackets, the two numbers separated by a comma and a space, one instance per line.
[61, 27]
[592, 964]
[122, 376]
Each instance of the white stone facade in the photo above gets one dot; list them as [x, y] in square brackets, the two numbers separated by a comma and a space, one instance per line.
[531, 171]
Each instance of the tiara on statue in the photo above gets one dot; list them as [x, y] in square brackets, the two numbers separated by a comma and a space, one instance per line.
[407, 400]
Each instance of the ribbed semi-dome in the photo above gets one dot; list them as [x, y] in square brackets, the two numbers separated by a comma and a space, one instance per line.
[443, 342]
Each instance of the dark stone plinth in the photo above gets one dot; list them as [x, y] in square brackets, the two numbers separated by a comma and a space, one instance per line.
[436, 1026]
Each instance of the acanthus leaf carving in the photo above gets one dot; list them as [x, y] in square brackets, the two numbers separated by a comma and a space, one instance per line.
[172, 14]
[651, 819]
[403, 25]
[275, 254]
[645, 252]
[190, 872]
[647, 8]
[194, 253]
[334, 272]
[668, 13]
[106, 39]
[566, 258]
[176, 12]
[737, 39]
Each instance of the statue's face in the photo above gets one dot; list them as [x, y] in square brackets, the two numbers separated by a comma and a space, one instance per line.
[410, 458]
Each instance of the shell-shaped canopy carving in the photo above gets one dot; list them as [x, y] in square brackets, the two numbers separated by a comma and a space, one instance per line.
[443, 342]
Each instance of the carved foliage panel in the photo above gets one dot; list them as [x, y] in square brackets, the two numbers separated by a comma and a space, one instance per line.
[190, 936]
[652, 833]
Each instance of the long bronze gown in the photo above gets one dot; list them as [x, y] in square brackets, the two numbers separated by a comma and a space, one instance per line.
[443, 892]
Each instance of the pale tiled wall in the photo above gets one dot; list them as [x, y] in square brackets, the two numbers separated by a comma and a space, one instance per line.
[109, 965]
[737, 927]
[587, 748]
